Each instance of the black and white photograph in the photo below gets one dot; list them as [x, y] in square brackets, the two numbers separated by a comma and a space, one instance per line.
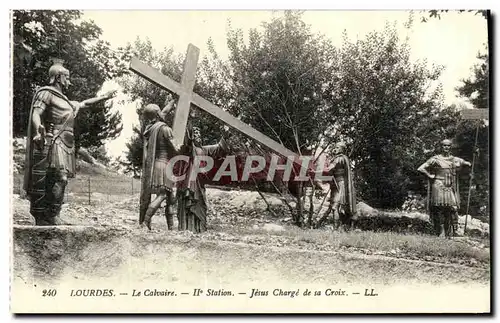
[250, 161]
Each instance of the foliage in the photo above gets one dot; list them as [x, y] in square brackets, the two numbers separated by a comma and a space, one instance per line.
[476, 87]
[279, 80]
[133, 156]
[381, 103]
[437, 13]
[100, 154]
[41, 35]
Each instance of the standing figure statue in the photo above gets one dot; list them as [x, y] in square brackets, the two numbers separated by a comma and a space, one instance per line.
[159, 149]
[443, 195]
[50, 150]
[343, 195]
[191, 195]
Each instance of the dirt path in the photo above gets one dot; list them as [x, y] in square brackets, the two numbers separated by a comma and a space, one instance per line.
[94, 253]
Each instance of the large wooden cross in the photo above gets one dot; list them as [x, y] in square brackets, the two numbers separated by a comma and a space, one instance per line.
[187, 97]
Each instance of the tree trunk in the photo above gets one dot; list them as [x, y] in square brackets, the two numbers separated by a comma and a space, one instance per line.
[300, 207]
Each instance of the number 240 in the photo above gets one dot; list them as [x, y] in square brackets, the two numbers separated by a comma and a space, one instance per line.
[49, 292]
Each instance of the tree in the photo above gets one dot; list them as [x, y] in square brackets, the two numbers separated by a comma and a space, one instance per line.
[133, 157]
[476, 89]
[39, 36]
[381, 103]
[280, 80]
[279, 85]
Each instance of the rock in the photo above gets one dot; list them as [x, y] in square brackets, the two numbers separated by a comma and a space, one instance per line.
[273, 227]
[475, 227]
[364, 210]
[369, 218]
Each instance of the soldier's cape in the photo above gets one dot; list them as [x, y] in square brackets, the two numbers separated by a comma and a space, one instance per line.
[28, 161]
[149, 151]
[350, 191]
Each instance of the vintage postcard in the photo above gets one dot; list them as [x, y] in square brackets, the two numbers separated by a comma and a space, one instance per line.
[272, 161]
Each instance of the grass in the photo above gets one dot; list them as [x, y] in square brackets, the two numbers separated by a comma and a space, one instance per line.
[386, 242]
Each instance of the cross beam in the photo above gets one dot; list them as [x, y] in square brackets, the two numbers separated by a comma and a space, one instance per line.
[188, 97]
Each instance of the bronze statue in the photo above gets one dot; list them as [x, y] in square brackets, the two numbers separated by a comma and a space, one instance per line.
[443, 195]
[343, 195]
[159, 148]
[50, 151]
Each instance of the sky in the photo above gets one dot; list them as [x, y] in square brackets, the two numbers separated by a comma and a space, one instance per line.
[452, 41]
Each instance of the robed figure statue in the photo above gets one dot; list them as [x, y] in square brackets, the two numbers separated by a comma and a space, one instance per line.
[191, 194]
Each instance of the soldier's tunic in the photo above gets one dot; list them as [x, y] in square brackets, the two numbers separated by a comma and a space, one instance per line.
[47, 168]
[164, 151]
[444, 194]
[444, 188]
[159, 149]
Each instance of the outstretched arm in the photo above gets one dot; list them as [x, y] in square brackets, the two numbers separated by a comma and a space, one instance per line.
[466, 163]
[106, 96]
[168, 107]
[218, 150]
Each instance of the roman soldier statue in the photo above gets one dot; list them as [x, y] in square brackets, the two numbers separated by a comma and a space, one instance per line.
[444, 195]
[157, 178]
[50, 150]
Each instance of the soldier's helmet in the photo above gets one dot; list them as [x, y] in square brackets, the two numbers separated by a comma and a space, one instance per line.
[446, 142]
[55, 70]
[151, 111]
